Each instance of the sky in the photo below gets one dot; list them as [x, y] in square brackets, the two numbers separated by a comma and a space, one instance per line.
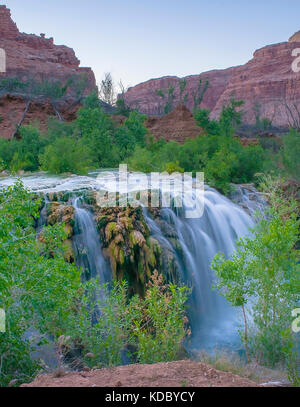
[137, 40]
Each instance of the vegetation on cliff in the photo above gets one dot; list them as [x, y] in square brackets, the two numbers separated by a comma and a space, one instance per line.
[98, 140]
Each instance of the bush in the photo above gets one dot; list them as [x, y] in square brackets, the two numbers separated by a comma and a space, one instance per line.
[145, 330]
[37, 291]
[64, 155]
[291, 153]
[217, 152]
[262, 278]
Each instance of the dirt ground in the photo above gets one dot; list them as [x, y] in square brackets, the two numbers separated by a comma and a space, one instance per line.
[173, 374]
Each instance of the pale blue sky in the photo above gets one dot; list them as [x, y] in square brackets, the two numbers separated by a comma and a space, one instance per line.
[138, 40]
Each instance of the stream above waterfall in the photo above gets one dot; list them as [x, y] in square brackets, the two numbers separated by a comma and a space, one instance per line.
[192, 241]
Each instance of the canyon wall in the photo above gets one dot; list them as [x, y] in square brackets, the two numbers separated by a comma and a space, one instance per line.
[267, 84]
[32, 57]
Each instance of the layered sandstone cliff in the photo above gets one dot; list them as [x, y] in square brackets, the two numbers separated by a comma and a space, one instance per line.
[144, 97]
[267, 83]
[29, 55]
[36, 58]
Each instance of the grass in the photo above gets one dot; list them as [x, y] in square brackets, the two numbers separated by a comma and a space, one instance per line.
[227, 362]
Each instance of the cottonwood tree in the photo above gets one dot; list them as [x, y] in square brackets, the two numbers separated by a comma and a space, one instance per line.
[107, 92]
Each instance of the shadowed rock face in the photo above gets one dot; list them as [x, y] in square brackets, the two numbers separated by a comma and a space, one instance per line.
[266, 82]
[30, 57]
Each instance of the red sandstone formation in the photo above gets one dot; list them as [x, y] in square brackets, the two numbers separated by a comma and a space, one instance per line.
[29, 56]
[144, 97]
[177, 126]
[266, 83]
[12, 109]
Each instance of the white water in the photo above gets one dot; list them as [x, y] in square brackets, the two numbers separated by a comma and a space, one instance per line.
[89, 254]
[214, 322]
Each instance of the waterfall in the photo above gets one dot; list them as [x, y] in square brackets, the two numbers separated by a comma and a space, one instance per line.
[214, 321]
[42, 221]
[88, 249]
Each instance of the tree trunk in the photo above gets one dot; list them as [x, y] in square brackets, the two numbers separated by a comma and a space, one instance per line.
[246, 333]
[59, 116]
[22, 119]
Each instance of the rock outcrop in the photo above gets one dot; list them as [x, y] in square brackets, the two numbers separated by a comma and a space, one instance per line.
[267, 83]
[12, 108]
[36, 58]
[178, 126]
[144, 97]
[29, 55]
[295, 37]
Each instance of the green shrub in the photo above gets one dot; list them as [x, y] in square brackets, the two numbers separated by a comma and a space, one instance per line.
[64, 156]
[262, 277]
[291, 153]
[37, 291]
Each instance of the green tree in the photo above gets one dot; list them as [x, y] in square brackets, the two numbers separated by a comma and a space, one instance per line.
[291, 153]
[262, 277]
[65, 155]
[37, 291]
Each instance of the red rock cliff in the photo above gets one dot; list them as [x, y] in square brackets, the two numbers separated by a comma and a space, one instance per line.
[144, 97]
[266, 83]
[30, 56]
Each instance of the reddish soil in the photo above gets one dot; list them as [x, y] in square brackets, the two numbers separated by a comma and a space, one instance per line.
[178, 126]
[173, 374]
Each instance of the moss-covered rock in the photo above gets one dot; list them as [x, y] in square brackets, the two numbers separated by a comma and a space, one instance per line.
[65, 214]
[69, 253]
[133, 253]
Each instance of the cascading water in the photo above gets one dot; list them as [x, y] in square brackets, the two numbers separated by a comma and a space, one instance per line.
[213, 321]
[87, 245]
[42, 221]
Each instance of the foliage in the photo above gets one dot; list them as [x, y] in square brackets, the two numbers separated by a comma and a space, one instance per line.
[122, 108]
[291, 153]
[37, 291]
[65, 156]
[199, 93]
[107, 90]
[93, 140]
[153, 327]
[262, 277]
[54, 90]
[41, 292]
[161, 331]
[168, 97]
[217, 152]
[22, 154]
